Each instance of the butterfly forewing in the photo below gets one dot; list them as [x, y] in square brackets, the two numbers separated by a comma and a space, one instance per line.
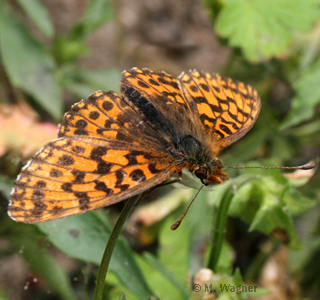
[75, 174]
[227, 108]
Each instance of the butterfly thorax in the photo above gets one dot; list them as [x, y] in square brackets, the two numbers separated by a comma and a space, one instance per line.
[200, 161]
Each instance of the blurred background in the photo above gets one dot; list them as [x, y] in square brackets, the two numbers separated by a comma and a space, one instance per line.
[54, 53]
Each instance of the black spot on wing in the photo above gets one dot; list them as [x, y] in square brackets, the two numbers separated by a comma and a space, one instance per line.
[94, 115]
[219, 133]
[194, 88]
[152, 168]
[101, 186]
[97, 152]
[67, 186]
[81, 125]
[153, 82]
[39, 208]
[107, 105]
[55, 173]
[40, 184]
[78, 149]
[225, 129]
[132, 157]
[37, 195]
[120, 177]
[137, 175]
[103, 167]
[66, 160]
[142, 84]
[56, 210]
[204, 87]
[78, 176]
[83, 200]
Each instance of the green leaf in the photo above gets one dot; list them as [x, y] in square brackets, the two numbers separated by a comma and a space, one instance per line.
[85, 236]
[266, 28]
[165, 273]
[173, 251]
[28, 65]
[117, 288]
[307, 226]
[307, 96]
[296, 203]
[271, 217]
[66, 51]
[28, 240]
[267, 203]
[97, 13]
[300, 112]
[103, 79]
[81, 90]
[246, 202]
[39, 16]
[248, 145]
[84, 82]
[162, 286]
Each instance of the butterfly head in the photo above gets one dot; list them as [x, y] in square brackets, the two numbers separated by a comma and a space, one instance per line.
[211, 172]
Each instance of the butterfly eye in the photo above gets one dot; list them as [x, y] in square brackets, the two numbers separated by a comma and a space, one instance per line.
[216, 164]
[201, 173]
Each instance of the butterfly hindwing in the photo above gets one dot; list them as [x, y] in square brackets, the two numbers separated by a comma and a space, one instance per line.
[75, 174]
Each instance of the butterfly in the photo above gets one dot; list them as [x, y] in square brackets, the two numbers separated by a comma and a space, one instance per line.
[112, 147]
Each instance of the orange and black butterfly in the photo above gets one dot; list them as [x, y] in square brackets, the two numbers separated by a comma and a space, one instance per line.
[111, 148]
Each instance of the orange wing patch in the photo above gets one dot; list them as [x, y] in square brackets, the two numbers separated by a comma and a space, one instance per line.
[75, 174]
[227, 108]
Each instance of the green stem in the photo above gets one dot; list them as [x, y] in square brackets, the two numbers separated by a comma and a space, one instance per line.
[98, 293]
[219, 229]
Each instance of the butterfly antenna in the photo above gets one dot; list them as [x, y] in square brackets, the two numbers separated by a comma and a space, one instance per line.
[307, 166]
[177, 224]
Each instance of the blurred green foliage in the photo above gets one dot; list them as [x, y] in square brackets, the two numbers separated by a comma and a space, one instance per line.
[267, 28]
[45, 70]
[273, 42]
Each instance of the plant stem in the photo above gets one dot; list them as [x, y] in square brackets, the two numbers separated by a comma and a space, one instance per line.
[131, 202]
[219, 229]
